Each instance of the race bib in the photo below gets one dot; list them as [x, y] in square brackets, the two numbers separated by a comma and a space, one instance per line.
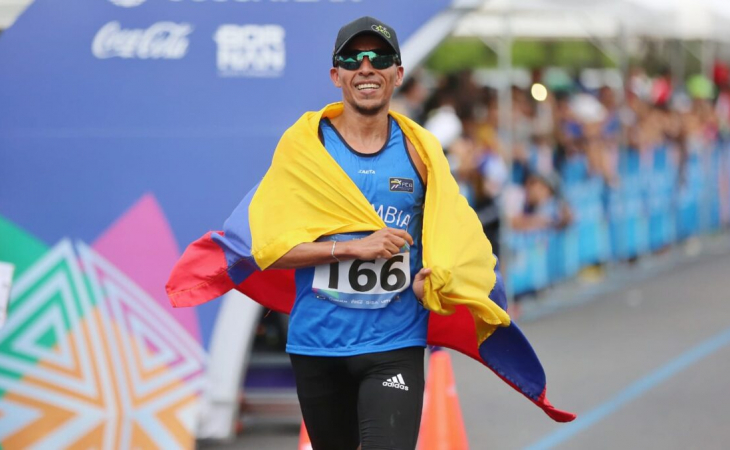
[363, 284]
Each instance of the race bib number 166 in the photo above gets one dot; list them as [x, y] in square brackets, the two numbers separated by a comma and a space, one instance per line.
[363, 284]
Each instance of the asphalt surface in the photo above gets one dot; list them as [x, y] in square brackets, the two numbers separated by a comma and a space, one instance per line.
[644, 362]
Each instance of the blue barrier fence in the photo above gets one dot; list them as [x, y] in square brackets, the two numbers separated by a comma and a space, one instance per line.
[659, 201]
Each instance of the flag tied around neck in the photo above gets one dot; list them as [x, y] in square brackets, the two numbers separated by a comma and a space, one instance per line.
[305, 195]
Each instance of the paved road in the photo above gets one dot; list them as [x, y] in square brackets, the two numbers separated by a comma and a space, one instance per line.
[646, 366]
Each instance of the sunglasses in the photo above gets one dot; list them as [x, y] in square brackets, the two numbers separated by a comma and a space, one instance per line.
[379, 59]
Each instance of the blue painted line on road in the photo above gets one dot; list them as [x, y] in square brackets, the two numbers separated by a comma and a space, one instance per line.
[635, 390]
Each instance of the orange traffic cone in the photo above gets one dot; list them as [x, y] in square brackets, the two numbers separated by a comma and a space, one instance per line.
[304, 442]
[442, 427]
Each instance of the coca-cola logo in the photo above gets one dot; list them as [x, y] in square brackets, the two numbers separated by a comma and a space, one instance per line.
[162, 40]
[127, 3]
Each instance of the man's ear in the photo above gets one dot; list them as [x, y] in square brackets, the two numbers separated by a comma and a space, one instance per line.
[399, 76]
[335, 76]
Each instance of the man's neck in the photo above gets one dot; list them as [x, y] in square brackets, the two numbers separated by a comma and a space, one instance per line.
[364, 133]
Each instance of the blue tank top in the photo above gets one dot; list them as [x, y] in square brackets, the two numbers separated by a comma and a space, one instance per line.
[355, 307]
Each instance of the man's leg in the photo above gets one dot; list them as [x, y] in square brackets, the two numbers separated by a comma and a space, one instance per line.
[328, 399]
[391, 398]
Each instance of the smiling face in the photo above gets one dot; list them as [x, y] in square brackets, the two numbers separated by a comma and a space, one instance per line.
[366, 89]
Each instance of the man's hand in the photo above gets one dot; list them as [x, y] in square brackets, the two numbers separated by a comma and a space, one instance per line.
[383, 243]
[418, 282]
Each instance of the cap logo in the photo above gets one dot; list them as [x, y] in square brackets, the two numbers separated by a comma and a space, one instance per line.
[382, 30]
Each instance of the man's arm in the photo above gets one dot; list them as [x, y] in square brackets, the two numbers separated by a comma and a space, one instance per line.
[383, 243]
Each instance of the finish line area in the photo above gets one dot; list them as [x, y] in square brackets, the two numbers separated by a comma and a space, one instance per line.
[538, 190]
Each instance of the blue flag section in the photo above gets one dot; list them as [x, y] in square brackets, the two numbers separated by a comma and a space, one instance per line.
[128, 128]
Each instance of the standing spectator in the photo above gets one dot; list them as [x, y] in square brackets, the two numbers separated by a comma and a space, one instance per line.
[537, 206]
[443, 121]
[611, 133]
[488, 182]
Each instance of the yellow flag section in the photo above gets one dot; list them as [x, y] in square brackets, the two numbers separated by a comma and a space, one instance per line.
[305, 194]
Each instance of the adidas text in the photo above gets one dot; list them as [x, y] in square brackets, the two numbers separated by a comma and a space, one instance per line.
[396, 382]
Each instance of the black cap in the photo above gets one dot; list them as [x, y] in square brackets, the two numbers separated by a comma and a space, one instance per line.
[365, 25]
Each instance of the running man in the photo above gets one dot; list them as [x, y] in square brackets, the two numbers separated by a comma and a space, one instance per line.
[375, 265]
[357, 331]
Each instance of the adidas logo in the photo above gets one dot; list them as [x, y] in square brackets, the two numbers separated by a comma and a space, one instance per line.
[396, 382]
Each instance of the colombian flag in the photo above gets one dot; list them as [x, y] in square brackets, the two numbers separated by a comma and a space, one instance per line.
[305, 194]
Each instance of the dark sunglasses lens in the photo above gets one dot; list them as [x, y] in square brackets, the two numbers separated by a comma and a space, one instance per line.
[348, 63]
[381, 62]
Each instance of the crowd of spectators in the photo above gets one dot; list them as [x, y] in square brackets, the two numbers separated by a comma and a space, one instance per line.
[553, 130]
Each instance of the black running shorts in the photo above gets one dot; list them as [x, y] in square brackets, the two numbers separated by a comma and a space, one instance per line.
[374, 399]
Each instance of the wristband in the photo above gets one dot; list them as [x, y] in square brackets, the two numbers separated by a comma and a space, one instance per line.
[334, 243]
